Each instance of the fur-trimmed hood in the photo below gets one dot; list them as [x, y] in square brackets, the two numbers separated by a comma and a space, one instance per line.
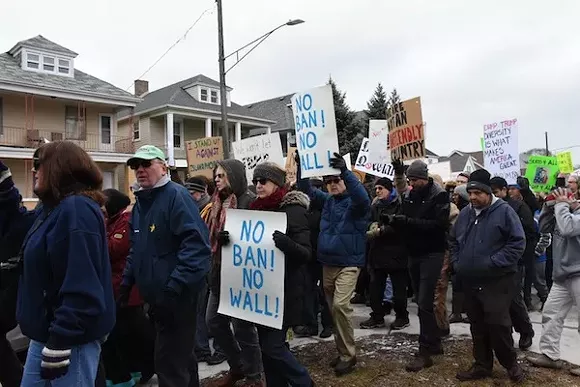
[295, 197]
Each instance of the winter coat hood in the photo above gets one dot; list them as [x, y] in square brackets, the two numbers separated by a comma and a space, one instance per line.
[236, 172]
[296, 197]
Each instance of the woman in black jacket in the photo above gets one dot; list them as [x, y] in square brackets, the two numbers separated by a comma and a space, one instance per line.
[280, 366]
[387, 256]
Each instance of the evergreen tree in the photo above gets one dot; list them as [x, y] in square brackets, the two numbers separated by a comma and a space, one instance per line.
[377, 105]
[349, 130]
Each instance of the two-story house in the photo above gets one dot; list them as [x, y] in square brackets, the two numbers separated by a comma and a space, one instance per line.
[186, 110]
[44, 97]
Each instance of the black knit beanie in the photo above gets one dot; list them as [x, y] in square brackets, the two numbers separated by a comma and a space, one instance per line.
[196, 184]
[385, 182]
[418, 170]
[272, 172]
[480, 180]
[116, 201]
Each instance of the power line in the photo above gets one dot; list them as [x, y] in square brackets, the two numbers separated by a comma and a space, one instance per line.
[182, 37]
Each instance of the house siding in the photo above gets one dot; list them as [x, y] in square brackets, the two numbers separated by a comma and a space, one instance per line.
[21, 175]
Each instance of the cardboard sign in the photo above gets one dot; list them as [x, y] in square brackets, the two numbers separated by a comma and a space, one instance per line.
[252, 275]
[259, 149]
[202, 155]
[542, 172]
[131, 179]
[365, 164]
[406, 130]
[565, 162]
[316, 137]
[379, 141]
[501, 154]
[290, 166]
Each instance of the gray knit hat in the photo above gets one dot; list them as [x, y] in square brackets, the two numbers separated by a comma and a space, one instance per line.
[272, 172]
[418, 170]
[461, 190]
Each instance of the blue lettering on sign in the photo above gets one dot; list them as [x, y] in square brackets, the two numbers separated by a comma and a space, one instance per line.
[256, 234]
[306, 117]
[255, 302]
[252, 278]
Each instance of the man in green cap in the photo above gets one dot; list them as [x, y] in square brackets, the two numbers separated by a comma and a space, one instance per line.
[168, 261]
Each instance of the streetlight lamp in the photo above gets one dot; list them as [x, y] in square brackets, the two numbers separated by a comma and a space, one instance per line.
[222, 68]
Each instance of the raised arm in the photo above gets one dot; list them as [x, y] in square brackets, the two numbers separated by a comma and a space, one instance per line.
[567, 222]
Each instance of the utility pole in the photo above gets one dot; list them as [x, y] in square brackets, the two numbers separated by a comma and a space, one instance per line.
[547, 148]
[223, 91]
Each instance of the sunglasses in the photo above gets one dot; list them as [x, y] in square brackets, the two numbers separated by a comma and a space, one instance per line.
[140, 163]
[333, 181]
[220, 175]
[36, 163]
[260, 180]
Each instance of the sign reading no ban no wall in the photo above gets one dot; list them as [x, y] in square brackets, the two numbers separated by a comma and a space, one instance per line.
[252, 272]
[315, 126]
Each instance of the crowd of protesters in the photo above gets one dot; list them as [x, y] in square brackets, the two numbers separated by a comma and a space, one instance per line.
[111, 294]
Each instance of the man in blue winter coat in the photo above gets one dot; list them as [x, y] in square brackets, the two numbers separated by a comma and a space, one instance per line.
[341, 249]
[168, 261]
[487, 243]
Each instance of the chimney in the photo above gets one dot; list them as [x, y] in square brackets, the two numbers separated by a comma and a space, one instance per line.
[141, 87]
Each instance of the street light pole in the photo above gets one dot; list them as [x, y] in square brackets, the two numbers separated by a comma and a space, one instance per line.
[223, 91]
[222, 68]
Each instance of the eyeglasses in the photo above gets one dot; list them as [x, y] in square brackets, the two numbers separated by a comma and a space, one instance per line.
[220, 175]
[134, 165]
[333, 181]
[261, 180]
[36, 163]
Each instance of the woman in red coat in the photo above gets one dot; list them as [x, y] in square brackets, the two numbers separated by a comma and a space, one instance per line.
[130, 345]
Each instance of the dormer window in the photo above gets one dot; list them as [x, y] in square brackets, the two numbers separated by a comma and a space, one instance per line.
[209, 95]
[203, 95]
[48, 63]
[214, 96]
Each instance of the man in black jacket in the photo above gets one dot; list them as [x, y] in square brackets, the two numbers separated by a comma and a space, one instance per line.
[518, 311]
[424, 222]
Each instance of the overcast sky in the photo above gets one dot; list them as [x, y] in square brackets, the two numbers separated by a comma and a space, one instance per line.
[471, 62]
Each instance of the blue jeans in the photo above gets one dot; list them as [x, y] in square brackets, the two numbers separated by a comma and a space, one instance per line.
[388, 296]
[82, 372]
[280, 366]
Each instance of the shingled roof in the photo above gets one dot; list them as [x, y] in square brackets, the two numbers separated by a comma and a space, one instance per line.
[275, 109]
[12, 73]
[176, 95]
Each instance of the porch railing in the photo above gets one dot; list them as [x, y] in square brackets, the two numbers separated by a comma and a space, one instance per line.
[91, 142]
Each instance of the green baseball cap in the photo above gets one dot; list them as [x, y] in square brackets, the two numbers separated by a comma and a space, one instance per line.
[147, 152]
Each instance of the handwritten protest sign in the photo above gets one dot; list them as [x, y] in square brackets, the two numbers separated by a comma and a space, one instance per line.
[379, 141]
[501, 154]
[202, 155]
[259, 149]
[252, 275]
[406, 130]
[565, 162]
[364, 163]
[316, 137]
[542, 172]
[290, 165]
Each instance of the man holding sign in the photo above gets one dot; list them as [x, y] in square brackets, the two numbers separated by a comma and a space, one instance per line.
[341, 248]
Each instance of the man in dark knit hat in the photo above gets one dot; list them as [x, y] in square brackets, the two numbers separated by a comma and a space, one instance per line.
[197, 187]
[487, 243]
[424, 222]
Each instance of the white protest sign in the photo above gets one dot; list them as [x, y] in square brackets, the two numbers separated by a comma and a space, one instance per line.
[501, 151]
[364, 163]
[348, 161]
[256, 150]
[316, 138]
[252, 275]
[379, 141]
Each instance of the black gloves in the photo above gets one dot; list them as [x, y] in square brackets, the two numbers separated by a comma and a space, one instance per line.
[398, 166]
[224, 238]
[123, 297]
[55, 363]
[297, 158]
[282, 241]
[338, 162]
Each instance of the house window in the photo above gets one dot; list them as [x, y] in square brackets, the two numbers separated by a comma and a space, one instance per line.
[64, 66]
[177, 134]
[214, 96]
[75, 123]
[106, 128]
[32, 60]
[136, 132]
[203, 95]
[48, 63]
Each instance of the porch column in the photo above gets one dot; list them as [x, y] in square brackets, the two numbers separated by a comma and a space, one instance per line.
[238, 131]
[169, 140]
[268, 130]
[208, 130]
